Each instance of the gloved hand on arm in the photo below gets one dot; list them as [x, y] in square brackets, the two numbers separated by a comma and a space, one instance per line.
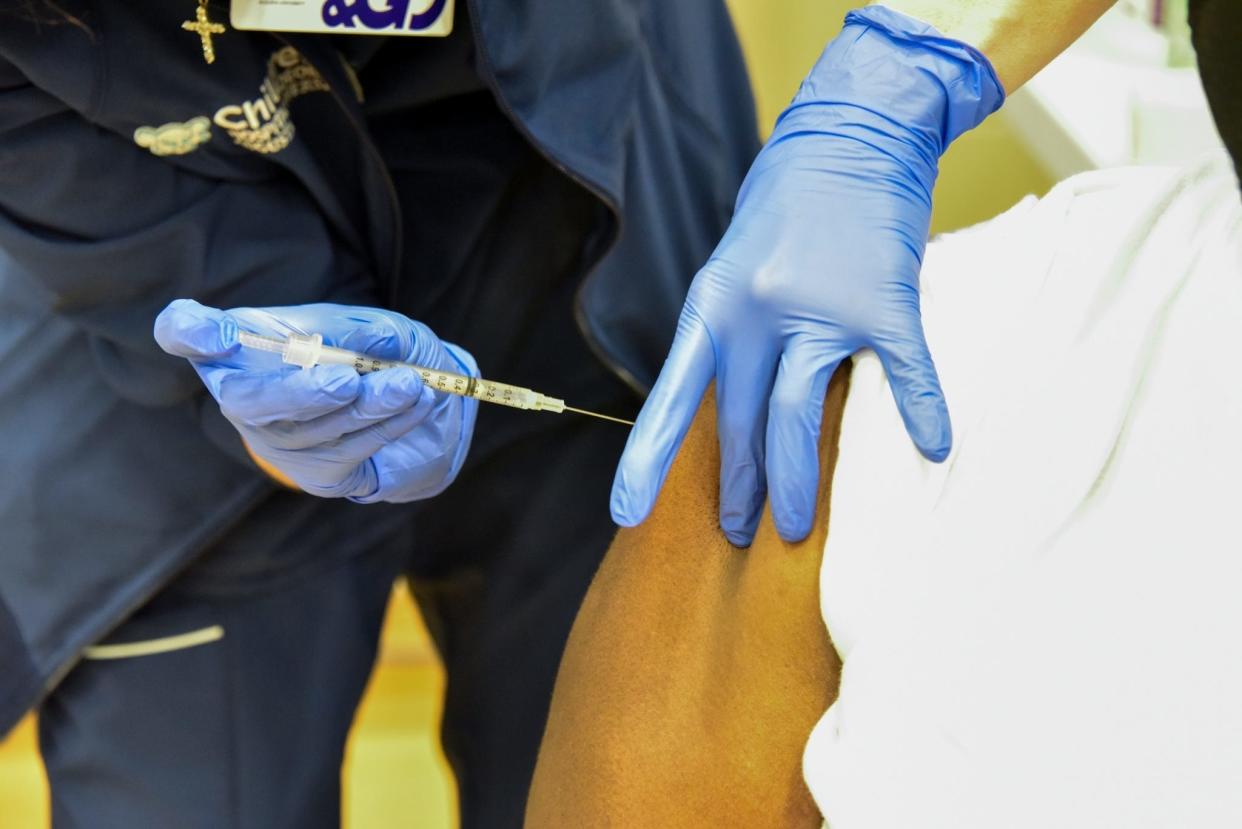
[383, 436]
[821, 260]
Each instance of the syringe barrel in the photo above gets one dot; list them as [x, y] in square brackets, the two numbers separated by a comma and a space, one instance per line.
[308, 350]
[488, 391]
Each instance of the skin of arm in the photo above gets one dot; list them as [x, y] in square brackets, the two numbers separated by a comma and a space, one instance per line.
[1019, 37]
[695, 671]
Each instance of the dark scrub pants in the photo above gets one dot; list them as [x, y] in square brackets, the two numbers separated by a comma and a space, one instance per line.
[248, 731]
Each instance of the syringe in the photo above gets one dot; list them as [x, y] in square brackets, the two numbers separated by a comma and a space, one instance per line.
[308, 350]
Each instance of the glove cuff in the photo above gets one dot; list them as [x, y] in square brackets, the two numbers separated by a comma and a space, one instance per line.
[902, 77]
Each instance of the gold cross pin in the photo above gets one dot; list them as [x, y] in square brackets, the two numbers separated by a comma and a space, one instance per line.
[204, 28]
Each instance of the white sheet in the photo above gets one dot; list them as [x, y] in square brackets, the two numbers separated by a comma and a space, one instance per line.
[1046, 630]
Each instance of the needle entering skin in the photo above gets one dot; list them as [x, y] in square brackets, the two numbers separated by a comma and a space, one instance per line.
[600, 416]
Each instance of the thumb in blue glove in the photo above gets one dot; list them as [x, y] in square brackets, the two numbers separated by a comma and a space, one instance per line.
[379, 437]
[821, 260]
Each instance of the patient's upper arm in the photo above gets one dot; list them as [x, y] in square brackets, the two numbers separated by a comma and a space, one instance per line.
[695, 670]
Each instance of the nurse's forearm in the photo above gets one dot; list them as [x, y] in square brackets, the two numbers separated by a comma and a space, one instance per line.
[1019, 37]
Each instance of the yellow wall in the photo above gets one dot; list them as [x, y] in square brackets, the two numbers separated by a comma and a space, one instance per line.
[983, 173]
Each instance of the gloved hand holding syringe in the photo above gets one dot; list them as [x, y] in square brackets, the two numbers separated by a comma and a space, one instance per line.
[382, 409]
[307, 350]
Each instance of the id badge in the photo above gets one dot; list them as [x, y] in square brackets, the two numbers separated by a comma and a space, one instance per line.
[418, 18]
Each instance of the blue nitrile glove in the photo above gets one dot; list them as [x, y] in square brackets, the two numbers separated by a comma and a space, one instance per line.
[337, 434]
[821, 260]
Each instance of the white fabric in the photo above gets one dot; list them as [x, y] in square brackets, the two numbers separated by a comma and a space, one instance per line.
[1046, 630]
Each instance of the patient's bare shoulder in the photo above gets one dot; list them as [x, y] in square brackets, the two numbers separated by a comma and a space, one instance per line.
[695, 671]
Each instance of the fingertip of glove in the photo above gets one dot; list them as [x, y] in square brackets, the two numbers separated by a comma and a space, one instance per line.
[927, 422]
[187, 329]
[398, 388]
[622, 520]
[792, 529]
[427, 395]
[411, 392]
[410, 384]
[742, 496]
[378, 339]
[739, 538]
[739, 524]
[338, 382]
[622, 505]
[934, 438]
[793, 486]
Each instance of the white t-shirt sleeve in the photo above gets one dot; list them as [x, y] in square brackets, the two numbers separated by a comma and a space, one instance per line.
[1041, 631]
